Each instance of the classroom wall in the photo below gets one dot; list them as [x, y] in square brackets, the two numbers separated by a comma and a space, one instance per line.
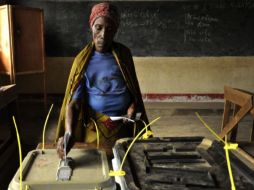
[163, 78]
[183, 50]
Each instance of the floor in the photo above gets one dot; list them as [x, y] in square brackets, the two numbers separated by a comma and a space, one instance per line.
[176, 119]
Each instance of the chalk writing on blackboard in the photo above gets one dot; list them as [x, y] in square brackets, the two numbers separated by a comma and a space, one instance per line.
[198, 27]
[143, 18]
[161, 28]
[241, 4]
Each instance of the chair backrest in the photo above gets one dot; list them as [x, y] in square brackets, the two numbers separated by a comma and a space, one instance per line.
[242, 103]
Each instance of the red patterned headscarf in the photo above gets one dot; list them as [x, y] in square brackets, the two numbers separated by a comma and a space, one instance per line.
[107, 10]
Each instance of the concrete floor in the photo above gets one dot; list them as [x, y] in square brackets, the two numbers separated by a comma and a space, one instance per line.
[180, 119]
[177, 119]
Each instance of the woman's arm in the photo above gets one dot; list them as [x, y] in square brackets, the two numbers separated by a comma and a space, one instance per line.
[72, 113]
[71, 119]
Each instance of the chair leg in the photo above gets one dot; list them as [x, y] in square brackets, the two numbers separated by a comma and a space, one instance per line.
[252, 132]
[252, 129]
[226, 114]
[235, 129]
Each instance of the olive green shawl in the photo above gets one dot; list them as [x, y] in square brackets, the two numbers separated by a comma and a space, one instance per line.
[124, 59]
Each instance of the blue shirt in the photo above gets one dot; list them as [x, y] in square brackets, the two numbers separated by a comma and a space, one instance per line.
[106, 89]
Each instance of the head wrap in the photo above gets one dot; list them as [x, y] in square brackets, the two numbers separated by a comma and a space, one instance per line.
[106, 10]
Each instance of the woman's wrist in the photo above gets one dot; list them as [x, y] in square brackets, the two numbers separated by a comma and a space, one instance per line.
[131, 110]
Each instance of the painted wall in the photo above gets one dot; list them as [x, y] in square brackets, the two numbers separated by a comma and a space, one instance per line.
[193, 78]
[163, 78]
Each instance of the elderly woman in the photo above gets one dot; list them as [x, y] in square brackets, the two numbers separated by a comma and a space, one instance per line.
[102, 84]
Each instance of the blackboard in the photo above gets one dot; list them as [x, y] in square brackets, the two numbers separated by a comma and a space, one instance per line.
[155, 28]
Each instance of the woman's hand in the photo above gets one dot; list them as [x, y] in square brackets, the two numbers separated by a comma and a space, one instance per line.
[69, 140]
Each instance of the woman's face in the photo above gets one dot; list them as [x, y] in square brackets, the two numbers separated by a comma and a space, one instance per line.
[103, 31]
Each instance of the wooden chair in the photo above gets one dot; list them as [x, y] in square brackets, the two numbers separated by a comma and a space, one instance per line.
[242, 103]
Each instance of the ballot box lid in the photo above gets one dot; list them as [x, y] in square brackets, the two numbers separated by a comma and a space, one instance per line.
[90, 170]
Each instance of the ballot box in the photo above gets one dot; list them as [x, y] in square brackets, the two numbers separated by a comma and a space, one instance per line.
[90, 171]
[180, 163]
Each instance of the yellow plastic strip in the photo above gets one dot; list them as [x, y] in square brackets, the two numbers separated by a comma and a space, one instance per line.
[44, 128]
[147, 134]
[27, 187]
[226, 148]
[117, 173]
[97, 133]
[144, 123]
[120, 171]
[20, 154]
[215, 134]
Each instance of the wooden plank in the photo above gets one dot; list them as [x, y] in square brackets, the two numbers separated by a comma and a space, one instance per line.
[236, 96]
[30, 72]
[7, 95]
[244, 157]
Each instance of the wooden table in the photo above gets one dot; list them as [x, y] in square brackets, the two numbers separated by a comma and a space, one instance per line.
[8, 98]
[8, 94]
